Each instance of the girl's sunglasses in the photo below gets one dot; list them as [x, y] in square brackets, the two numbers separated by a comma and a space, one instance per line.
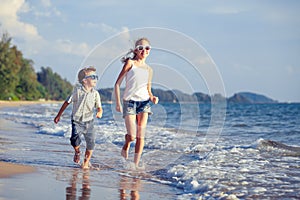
[94, 77]
[141, 47]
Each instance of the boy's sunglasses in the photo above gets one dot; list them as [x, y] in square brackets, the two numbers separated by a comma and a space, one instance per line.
[94, 77]
[141, 47]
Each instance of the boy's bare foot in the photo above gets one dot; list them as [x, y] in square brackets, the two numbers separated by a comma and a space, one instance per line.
[124, 153]
[86, 165]
[76, 158]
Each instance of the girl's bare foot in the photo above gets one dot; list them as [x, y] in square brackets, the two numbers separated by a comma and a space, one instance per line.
[124, 153]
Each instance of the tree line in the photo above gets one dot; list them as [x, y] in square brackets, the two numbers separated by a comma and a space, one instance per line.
[19, 81]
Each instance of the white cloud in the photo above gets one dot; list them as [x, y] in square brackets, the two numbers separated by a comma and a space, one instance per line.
[69, 47]
[292, 70]
[108, 29]
[11, 23]
[225, 10]
[242, 68]
[26, 35]
[45, 9]
[46, 3]
[104, 28]
[278, 15]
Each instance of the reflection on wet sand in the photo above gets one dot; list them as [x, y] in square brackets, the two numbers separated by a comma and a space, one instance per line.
[71, 190]
[80, 184]
[133, 185]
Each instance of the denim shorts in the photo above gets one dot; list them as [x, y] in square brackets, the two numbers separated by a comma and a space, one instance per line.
[135, 107]
[85, 128]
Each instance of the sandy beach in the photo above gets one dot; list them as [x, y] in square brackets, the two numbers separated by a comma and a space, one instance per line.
[24, 103]
[28, 169]
[259, 150]
[10, 169]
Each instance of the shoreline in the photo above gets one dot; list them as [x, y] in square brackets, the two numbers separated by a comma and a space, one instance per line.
[4, 103]
[9, 169]
[66, 180]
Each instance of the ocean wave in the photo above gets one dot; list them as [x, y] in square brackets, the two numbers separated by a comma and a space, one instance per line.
[60, 131]
[278, 148]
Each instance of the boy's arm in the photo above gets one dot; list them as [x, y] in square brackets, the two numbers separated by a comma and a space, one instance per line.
[98, 105]
[60, 112]
[99, 112]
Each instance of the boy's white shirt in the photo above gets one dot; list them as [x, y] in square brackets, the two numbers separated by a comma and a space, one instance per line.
[84, 103]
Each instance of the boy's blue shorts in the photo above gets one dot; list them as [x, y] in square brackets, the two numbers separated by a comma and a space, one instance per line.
[85, 128]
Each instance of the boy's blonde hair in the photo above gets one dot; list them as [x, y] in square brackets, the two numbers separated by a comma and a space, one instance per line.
[83, 73]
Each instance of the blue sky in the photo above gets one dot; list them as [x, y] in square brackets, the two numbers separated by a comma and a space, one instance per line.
[254, 45]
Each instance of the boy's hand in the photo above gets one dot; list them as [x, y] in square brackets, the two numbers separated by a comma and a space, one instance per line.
[56, 119]
[99, 114]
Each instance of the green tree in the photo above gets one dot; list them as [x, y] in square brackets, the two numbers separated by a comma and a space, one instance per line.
[19, 80]
[28, 88]
[10, 65]
[17, 75]
[56, 87]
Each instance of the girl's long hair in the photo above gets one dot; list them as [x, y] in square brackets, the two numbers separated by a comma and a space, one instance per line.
[131, 54]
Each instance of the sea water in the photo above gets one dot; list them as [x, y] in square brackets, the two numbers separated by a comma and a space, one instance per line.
[250, 151]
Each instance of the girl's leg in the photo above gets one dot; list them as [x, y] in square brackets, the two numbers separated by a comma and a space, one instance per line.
[130, 123]
[142, 119]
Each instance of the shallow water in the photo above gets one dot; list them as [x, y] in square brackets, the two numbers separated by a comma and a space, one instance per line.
[256, 154]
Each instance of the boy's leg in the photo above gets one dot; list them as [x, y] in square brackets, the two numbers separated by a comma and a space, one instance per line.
[142, 119]
[76, 158]
[87, 157]
[130, 123]
[90, 143]
[75, 141]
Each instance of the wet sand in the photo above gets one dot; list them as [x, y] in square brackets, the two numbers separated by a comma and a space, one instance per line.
[9, 169]
[19, 179]
[23, 103]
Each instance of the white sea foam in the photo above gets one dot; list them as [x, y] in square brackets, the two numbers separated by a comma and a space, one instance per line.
[245, 161]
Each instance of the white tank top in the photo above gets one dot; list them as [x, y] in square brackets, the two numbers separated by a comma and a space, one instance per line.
[136, 84]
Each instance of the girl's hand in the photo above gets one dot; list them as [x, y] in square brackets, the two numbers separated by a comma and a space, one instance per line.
[154, 99]
[119, 108]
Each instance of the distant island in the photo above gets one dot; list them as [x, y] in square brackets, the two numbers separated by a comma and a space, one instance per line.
[176, 96]
[250, 98]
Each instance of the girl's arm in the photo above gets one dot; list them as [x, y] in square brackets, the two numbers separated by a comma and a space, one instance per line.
[125, 69]
[154, 99]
